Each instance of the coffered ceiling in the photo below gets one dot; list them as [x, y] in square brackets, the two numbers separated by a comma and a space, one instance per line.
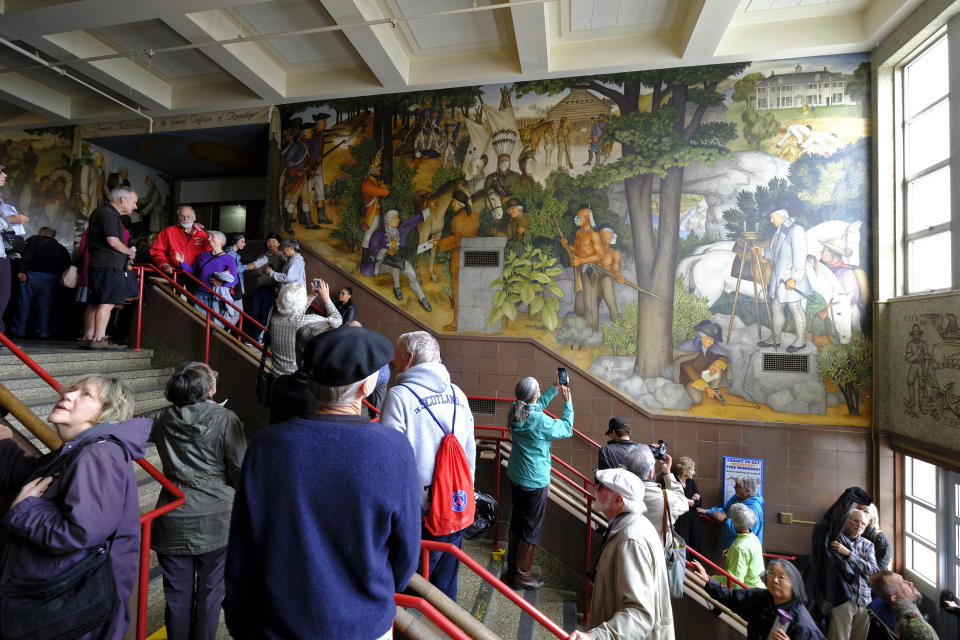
[171, 57]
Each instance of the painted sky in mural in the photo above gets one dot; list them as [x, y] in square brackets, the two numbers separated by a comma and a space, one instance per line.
[696, 238]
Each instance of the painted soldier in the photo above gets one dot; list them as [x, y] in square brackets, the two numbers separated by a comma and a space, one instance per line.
[372, 190]
[296, 167]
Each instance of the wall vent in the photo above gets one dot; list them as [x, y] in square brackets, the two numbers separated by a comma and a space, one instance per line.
[786, 362]
[481, 258]
[483, 406]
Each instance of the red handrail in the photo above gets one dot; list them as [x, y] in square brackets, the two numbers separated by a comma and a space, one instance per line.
[577, 433]
[703, 559]
[146, 519]
[431, 613]
[495, 582]
[243, 314]
[146, 524]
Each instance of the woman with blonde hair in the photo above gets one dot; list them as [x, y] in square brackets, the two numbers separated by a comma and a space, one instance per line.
[687, 525]
[76, 506]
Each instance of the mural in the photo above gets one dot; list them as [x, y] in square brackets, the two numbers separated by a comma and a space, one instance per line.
[40, 180]
[102, 170]
[697, 238]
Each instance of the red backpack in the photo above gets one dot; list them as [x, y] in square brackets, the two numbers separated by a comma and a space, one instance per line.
[452, 505]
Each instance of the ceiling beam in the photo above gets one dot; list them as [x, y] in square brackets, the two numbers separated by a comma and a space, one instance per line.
[807, 37]
[705, 25]
[123, 75]
[35, 97]
[530, 33]
[248, 62]
[377, 45]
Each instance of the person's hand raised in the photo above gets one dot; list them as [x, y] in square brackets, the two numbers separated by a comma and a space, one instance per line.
[33, 489]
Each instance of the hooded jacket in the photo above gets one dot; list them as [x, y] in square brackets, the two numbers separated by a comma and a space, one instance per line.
[93, 498]
[729, 531]
[201, 446]
[529, 465]
[402, 411]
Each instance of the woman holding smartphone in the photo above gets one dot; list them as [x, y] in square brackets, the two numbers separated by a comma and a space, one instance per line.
[532, 432]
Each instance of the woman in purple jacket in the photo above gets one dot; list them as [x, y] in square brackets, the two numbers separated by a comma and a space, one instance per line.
[209, 268]
[54, 522]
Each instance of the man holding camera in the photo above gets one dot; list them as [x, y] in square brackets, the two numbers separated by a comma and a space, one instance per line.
[642, 461]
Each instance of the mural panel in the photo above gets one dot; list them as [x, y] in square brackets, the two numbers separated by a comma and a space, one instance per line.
[40, 181]
[697, 238]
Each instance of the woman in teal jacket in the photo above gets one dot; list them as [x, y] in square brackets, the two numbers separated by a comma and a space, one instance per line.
[529, 471]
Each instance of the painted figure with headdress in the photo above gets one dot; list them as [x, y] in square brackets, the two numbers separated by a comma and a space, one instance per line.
[372, 190]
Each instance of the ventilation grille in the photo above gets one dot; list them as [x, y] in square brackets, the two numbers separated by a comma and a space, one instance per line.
[483, 406]
[481, 259]
[786, 362]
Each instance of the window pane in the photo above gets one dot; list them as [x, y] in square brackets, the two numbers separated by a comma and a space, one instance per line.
[923, 484]
[928, 200]
[928, 138]
[923, 523]
[929, 265]
[922, 561]
[927, 78]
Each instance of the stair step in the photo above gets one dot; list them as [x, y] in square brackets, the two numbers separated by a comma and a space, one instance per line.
[35, 391]
[92, 364]
[69, 352]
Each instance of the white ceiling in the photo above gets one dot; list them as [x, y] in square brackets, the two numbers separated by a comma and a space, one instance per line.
[240, 53]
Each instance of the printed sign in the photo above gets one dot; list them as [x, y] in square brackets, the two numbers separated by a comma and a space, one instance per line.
[734, 468]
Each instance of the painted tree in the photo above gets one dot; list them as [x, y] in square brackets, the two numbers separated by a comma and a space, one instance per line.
[758, 126]
[859, 87]
[655, 144]
[745, 89]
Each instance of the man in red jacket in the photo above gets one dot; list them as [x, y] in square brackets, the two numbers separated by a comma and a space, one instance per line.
[186, 238]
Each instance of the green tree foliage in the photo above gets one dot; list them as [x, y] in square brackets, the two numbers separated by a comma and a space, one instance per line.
[401, 189]
[849, 366]
[688, 310]
[657, 143]
[831, 188]
[444, 175]
[746, 88]
[348, 230]
[529, 277]
[859, 87]
[621, 336]
[754, 207]
[757, 126]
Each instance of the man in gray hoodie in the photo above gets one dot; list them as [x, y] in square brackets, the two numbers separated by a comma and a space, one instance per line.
[423, 381]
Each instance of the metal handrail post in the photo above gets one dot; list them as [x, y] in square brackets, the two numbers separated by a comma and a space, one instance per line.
[206, 346]
[496, 518]
[586, 560]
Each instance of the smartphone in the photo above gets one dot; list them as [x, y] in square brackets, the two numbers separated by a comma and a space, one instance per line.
[562, 377]
[316, 284]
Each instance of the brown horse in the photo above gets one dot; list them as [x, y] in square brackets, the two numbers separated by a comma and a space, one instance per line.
[438, 203]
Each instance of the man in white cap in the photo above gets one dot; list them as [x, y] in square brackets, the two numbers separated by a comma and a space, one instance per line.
[788, 286]
[631, 597]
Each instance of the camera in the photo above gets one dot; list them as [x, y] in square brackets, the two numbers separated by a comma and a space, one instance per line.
[659, 450]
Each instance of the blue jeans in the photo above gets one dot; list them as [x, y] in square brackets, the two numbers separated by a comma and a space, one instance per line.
[37, 293]
[444, 567]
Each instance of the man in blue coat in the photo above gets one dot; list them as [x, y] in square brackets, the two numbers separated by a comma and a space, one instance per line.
[788, 286]
[745, 491]
[326, 518]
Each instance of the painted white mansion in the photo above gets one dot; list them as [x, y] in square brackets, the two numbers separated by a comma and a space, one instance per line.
[791, 90]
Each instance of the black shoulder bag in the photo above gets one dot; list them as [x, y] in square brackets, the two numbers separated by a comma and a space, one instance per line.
[79, 600]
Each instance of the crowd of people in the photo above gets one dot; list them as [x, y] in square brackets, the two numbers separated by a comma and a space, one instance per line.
[295, 518]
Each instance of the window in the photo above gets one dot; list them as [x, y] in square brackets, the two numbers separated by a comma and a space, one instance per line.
[926, 169]
[931, 526]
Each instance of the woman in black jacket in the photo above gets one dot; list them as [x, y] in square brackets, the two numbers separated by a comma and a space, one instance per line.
[344, 304]
[760, 607]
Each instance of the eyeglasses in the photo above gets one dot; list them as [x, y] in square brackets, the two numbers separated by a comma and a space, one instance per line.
[778, 577]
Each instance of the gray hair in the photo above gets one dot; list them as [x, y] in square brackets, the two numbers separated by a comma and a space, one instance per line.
[640, 462]
[120, 192]
[796, 580]
[747, 483]
[186, 206]
[339, 395]
[217, 234]
[742, 516]
[305, 334]
[290, 242]
[525, 392]
[390, 215]
[874, 515]
[864, 516]
[421, 345]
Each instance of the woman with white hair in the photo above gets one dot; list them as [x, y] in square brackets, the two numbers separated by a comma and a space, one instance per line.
[214, 268]
[746, 491]
[289, 316]
[532, 432]
[744, 559]
[77, 510]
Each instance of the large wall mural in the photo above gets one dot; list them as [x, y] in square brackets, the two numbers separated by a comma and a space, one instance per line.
[697, 238]
[40, 180]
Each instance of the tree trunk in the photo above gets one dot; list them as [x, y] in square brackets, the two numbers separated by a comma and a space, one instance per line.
[383, 137]
[852, 397]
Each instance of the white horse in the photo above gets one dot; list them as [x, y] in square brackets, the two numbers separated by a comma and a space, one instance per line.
[708, 274]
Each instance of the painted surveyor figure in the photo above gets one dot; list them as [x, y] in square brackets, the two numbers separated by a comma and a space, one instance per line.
[702, 362]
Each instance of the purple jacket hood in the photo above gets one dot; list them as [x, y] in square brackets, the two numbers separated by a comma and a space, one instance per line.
[130, 434]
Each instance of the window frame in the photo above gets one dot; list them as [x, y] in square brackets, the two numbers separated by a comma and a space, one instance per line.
[904, 238]
[947, 547]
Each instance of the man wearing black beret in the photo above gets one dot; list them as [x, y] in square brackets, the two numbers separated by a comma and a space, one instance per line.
[326, 518]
